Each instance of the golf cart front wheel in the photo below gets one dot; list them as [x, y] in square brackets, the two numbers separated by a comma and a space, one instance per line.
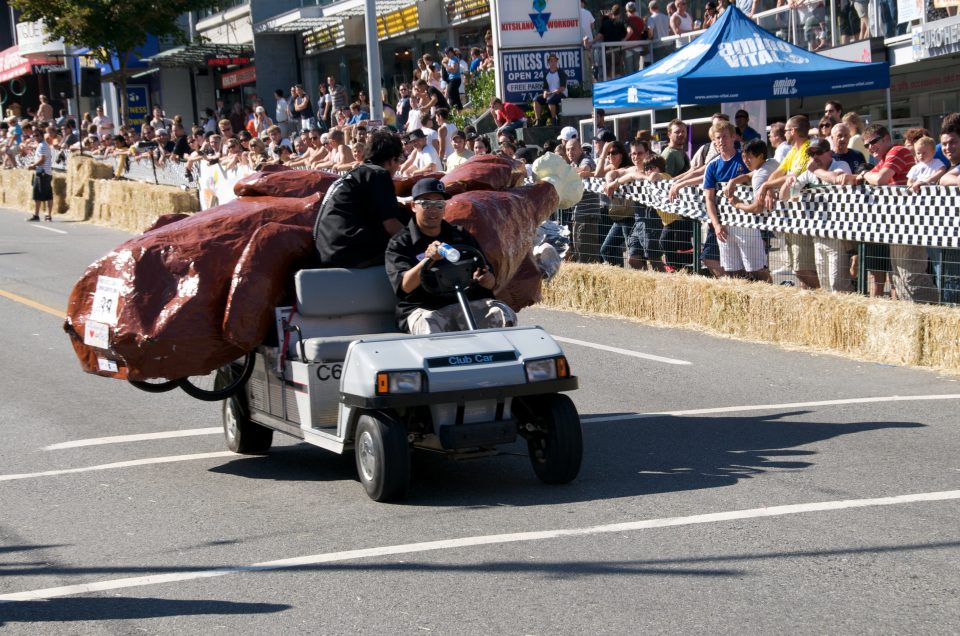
[556, 443]
[383, 457]
[154, 386]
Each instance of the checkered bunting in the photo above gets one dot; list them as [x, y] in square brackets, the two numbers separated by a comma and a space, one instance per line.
[892, 215]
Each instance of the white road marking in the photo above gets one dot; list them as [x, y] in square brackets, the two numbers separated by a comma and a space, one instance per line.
[467, 542]
[139, 437]
[135, 462]
[48, 229]
[625, 352]
[770, 407]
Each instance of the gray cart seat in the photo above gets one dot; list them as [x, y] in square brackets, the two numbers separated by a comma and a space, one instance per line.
[338, 306]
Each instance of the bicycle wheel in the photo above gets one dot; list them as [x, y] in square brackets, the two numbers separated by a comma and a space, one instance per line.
[154, 386]
[221, 383]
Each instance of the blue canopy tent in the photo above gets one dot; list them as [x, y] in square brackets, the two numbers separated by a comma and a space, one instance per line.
[736, 60]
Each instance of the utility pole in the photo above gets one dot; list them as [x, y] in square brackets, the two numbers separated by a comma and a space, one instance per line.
[373, 62]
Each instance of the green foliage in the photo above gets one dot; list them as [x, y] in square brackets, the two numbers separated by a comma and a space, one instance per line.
[110, 27]
[479, 93]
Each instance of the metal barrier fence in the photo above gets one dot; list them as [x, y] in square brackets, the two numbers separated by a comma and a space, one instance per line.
[882, 241]
[145, 168]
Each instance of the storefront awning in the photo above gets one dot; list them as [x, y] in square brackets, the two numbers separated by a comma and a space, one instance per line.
[196, 55]
[13, 65]
[297, 21]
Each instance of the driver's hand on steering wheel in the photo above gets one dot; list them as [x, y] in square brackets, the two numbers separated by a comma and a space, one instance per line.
[485, 278]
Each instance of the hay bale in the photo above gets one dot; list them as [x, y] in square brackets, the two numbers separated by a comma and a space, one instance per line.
[81, 172]
[134, 206]
[866, 328]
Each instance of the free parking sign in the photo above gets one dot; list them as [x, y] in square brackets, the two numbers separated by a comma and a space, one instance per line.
[523, 71]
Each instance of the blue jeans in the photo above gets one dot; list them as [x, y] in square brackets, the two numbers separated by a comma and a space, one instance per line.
[611, 251]
[946, 272]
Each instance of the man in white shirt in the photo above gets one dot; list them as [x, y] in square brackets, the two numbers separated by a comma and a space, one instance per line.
[282, 118]
[658, 24]
[103, 123]
[423, 159]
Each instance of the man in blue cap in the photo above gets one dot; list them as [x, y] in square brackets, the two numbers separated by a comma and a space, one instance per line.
[414, 248]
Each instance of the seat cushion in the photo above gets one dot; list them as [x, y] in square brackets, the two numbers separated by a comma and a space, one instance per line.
[343, 292]
[334, 348]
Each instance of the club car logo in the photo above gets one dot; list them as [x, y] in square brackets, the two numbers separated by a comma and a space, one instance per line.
[785, 87]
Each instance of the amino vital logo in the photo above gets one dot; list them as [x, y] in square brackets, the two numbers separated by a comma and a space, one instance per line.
[785, 87]
[540, 19]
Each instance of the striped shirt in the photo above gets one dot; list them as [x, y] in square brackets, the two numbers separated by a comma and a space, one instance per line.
[43, 152]
[900, 160]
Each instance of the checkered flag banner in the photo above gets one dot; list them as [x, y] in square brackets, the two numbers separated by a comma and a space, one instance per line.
[886, 214]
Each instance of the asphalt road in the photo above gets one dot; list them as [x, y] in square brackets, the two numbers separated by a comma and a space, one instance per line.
[751, 490]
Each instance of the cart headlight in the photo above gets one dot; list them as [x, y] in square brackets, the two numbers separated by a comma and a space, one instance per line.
[389, 382]
[547, 369]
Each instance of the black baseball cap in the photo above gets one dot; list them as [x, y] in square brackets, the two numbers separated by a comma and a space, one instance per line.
[429, 186]
[605, 135]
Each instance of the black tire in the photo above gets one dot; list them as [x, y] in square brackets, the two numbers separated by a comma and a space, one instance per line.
[242, 435]
[556, 443]
[220, 384]
[154, 386]
[382, 456]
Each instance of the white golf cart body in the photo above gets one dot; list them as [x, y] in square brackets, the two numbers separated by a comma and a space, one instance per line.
[341, 357]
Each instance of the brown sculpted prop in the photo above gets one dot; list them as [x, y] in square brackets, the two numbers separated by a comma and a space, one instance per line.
[196, 292]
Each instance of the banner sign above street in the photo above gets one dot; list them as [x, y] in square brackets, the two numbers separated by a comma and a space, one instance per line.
[523, 71]
[526, 23]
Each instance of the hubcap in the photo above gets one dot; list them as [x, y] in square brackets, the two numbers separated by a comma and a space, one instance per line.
[231, 423]
[368, 456]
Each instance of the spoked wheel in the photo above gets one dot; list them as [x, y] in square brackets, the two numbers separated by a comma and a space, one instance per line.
[383, 457]
[220, 384]
[242, 435]
[154, 386]
[554, 437]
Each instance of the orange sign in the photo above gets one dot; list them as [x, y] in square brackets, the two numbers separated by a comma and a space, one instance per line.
[239, 77]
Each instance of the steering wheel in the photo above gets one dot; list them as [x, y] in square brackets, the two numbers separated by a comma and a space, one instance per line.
[442, 277]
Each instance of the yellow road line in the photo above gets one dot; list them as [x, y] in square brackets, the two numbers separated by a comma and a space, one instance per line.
[59, 313]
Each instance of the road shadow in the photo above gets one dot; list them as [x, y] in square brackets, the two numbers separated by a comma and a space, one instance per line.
[640, 456]
[622, 458]
[299, 462]
[74, 609]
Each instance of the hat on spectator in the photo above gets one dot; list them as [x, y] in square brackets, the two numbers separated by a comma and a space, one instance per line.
[161, 131]
[415, 134]
[324, 138]
[604, 135]
[429, 186]
[631, 7]
[819, 146]
[260, 109]
[568, 133]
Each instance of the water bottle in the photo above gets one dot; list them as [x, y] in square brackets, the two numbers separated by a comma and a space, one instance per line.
[449, 253]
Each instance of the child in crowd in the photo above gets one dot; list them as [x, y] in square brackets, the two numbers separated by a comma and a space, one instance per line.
[928, 169]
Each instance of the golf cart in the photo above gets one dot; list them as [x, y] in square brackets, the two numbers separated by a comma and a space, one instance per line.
[342, 378]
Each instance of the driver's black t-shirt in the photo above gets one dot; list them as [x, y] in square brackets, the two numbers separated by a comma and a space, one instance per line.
[406, 249]
[349, 228]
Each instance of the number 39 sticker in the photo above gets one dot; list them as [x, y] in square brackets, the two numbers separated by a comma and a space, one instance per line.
[105, 300]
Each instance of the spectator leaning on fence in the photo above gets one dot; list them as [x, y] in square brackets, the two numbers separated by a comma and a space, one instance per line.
[928, 169]
[728, 166]
[675, 153]
[946, 262]
[745, 253]
[908, 263]
[778, 140]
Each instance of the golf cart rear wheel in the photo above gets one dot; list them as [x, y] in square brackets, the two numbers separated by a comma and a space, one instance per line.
[383, 456]
[556, 443]
[154, 386]
[220, 384]
[242, 435]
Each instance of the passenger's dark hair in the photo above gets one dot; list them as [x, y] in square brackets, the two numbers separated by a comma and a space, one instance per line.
[951, 124]
[756, 148]
[383, 146]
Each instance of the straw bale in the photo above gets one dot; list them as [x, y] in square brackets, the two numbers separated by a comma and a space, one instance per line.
[849, 324]
[16, 190]
[81, 171]
[941, 335]
[135, 206]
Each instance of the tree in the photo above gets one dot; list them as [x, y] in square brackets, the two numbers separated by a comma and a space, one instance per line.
[111, 27]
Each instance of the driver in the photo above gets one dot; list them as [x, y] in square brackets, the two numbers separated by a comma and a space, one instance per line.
[414, 249]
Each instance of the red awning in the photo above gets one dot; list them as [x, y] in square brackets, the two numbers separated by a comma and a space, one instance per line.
[12, 65]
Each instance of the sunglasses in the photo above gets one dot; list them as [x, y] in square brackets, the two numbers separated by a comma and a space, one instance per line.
[431, 203]
[873, 141]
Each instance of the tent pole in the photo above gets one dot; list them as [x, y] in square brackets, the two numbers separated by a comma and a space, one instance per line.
[889, 113]
[787, 106]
